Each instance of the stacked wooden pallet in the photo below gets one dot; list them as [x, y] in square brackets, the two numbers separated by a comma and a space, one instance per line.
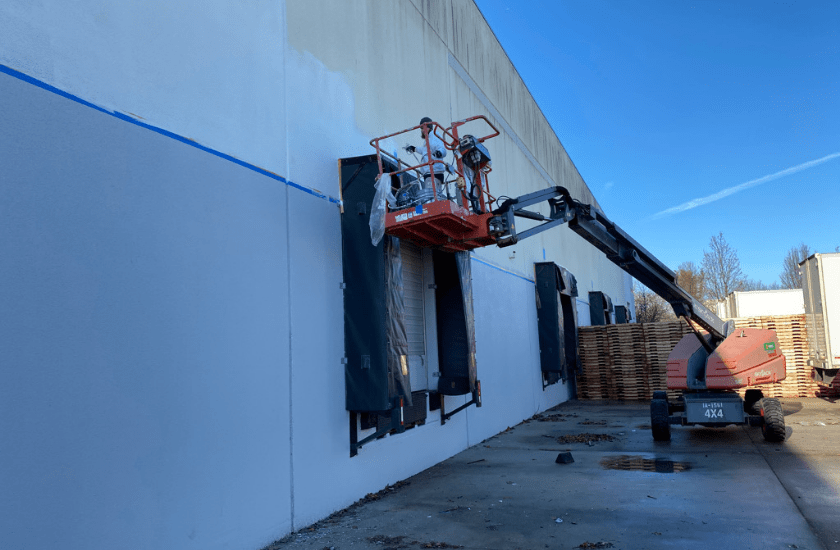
[793, 343]
[629, 361]
[626, 361]
[595, 361]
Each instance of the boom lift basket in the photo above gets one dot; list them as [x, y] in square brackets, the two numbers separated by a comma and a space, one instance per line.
[457, 218]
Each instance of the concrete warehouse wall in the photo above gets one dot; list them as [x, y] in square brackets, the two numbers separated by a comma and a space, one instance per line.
[170, 259]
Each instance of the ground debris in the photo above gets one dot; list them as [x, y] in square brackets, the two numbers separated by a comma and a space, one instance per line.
[552, 417]
[371, 497]
[588, 422]
[439, 545]
[337, 516]
[456, 509]
[584, 438]
[390, 541]
[596, 545]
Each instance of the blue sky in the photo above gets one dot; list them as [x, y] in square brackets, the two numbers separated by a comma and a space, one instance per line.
[659, 103]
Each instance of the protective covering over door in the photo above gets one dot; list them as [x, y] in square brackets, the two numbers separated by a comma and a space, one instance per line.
[600, 308]
[455, 323]
[376, 369]
[556, 290]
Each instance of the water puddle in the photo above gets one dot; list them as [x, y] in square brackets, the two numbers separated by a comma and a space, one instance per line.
[641, 464]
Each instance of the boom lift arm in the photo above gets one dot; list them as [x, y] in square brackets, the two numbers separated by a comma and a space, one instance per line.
[621, 249]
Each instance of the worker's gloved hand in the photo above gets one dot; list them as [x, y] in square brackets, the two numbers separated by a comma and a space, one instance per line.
[410, 148]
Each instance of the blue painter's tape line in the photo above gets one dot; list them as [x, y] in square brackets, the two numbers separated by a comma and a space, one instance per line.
[517, 275]
[44, 86]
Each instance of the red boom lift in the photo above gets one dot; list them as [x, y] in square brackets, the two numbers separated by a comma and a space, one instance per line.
[707, 365]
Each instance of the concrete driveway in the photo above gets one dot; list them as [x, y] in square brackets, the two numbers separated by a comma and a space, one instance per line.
[707, 488]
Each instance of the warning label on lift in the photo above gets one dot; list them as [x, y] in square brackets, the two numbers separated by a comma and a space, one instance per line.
[408, 215]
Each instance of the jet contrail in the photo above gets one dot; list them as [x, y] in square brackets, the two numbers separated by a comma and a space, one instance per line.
[694, 203]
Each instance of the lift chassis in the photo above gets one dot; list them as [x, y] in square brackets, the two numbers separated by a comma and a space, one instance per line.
[707, 366]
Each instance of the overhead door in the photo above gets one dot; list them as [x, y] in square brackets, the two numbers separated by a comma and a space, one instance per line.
[415, 318]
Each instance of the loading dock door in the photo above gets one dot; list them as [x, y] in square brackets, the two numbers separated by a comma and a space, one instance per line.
[415, 315]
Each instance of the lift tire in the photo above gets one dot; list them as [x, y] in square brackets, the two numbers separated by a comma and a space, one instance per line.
[773, 427]
[659, 421]
[660, 395]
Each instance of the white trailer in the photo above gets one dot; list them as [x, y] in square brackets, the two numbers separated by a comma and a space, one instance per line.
[755, 303]
[821, 290]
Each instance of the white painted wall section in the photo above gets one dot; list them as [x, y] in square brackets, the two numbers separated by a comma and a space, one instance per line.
[144, 344]
[207, 70]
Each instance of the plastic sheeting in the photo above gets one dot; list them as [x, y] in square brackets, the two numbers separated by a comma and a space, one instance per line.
[384, 196]
[462, 259]
[399, 380]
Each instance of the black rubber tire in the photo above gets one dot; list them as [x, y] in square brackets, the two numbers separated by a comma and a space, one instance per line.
[659, 425]
[660, 395]
[751, 401]
[773, 427]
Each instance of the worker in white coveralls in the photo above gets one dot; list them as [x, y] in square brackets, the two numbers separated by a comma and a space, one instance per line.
[438, 152]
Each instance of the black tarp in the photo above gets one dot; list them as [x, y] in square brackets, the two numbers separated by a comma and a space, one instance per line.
[600, 309]
[556, 290]
[455, 323]
[375, 345]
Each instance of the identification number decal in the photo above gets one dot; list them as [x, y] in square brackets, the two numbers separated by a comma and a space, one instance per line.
[408, 215]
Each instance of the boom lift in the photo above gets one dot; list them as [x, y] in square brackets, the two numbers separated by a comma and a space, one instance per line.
[708, 365]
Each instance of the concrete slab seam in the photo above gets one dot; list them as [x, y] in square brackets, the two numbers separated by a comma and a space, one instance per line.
[291, 419]
[127, 118]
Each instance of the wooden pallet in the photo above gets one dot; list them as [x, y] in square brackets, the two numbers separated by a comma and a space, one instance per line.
[628, 361]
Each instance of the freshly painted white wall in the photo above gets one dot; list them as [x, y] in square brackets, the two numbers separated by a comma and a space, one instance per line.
[207, 70]
[172, 308]
[144, 346]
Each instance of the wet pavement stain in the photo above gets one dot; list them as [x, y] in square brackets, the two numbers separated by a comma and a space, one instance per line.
[642, 464]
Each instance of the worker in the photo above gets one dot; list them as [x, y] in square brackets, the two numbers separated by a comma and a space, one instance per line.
[438, 152]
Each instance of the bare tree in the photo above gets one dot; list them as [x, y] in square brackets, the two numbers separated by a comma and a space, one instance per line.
[650, 307]
[790, 276]
[692, 279]
[751, 284]
[722, 268]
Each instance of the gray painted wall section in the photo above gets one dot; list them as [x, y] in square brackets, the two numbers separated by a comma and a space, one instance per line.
[144, 336]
